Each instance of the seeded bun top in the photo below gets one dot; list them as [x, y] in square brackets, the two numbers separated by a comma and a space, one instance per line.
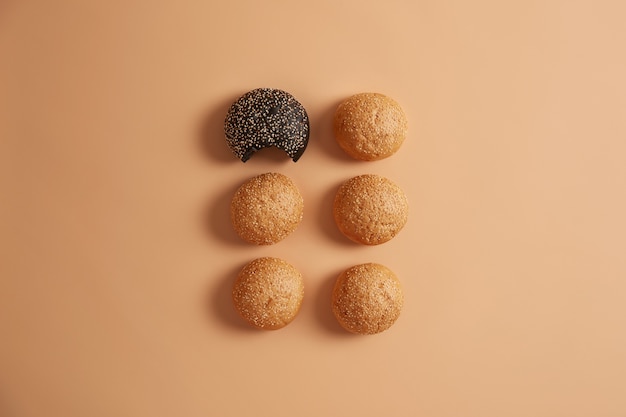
[370, 126]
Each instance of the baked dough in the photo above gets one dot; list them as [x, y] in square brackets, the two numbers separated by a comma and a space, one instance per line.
[267, 117]
[370, 126]
[370, 209]
[367, 298]
[268, 293]
[266, 209]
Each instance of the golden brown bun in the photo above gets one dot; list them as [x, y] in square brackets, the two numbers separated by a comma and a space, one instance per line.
[370, 209]
[268, 293]
[370, 126]
[266, 209]
[367, 298]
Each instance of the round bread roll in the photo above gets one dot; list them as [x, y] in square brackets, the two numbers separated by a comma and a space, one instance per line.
[267, 117]
[266, 209]
[370, 209]
[268, 293]
[370, 126]
[367, 298]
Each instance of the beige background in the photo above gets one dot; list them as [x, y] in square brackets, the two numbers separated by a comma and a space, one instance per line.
[117, 258]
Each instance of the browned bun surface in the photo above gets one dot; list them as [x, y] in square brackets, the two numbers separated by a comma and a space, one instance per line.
[266, 209]
[268, 293]
[370, 126]
[370, 209]
[367, 298]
